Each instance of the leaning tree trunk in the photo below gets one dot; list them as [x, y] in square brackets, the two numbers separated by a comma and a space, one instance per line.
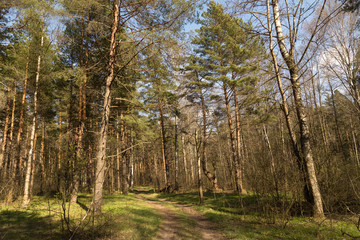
[101, 153]
[289, 58]
[26, 199]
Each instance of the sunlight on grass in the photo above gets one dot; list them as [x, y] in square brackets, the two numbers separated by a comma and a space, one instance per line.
[224, 210]
[124, 217]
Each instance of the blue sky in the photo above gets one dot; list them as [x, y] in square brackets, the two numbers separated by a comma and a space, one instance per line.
[192, 26]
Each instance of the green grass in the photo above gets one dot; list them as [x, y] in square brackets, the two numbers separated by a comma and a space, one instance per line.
[251, 223]
[124, 217]
[127, 217]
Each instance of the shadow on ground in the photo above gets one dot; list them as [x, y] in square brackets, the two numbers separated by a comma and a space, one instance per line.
[15, 224]
[260, 217]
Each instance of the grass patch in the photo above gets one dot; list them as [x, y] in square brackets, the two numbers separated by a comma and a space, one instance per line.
[124, 217]
[251, 223]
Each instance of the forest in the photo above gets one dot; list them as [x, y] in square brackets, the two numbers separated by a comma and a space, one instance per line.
[179, 119]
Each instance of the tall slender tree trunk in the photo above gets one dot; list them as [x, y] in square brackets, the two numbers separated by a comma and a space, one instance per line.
[5, 137]
[81, 117]
[320, 115]
[26, 198]
[163, 147]
[59, 143]
[118, 173]
[184, 160]
[124, 162]
[101, 153]
[318, 210]
[131, 163]
[43, 180]
[11, 135]
[32, 176]
[157, 182]
[272, 161]
[192, 171]
[112, 175]
[176, 155]
[198, 161]
[208, 174]
[339, 142]
[355, 144]
[237, 128]
[294, 143]
[18, 161]
[238, 179]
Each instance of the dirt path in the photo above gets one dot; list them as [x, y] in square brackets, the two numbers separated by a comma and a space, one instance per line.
[170, 227]
[208, 229]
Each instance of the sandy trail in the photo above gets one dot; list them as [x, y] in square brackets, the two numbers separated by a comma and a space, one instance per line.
[170, 228]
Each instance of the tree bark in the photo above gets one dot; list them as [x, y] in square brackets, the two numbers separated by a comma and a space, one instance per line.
[163, 147]
[12, 124]
[184, 160]
[32, 176]
[59, 144]
[176, 187]
[272, 161]
[101, 153]
[131, 163]
[43, 180]
[235, 161]
[238, 134]
[26, 198]
[81, 117]
[5, 133]
[208, 174]
[198, 161]
[118, 173]
[300, 110]
[18, 160]
[124, 169]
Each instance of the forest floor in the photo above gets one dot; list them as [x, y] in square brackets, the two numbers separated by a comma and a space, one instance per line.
[144, 214]
[181, 221]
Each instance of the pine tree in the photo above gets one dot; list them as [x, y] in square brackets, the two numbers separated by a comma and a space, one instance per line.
[228, 50]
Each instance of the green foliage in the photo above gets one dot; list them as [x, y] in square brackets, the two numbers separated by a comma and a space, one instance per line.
[229, 54]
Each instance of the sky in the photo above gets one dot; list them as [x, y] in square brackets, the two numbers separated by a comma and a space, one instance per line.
[192, 26]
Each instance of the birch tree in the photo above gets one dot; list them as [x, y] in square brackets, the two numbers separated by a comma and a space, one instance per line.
[280, 15]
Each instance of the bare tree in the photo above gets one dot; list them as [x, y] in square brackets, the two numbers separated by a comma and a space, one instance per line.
[340, 59]
[273, 16]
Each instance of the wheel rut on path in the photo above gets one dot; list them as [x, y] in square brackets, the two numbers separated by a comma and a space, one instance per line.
[170, 227]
